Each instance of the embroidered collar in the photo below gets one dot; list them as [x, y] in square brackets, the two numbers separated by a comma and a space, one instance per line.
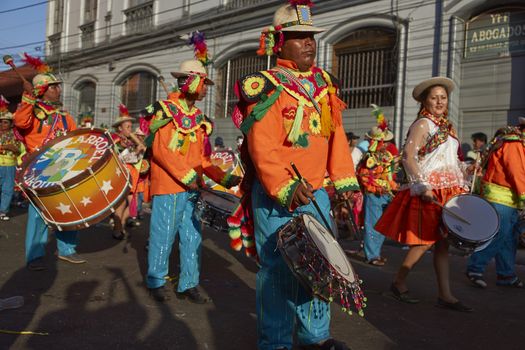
[185, 120]
[314, 82]
[442, 122]
[47, 109]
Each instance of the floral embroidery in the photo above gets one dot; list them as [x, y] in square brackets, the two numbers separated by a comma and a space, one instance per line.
[186, 122]
[253, 85]
[289, 112]
[308, 85]
[315, 123]
[346, 184]
[319, 80]
[445, 129]
[193, 136]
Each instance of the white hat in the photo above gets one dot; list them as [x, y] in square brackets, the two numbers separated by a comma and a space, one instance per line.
[192, 67]
[377, 134]
[295, 19]
[425, 84]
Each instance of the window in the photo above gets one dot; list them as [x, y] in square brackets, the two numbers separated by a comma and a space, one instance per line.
[86, 96]
[54, 44]
[87, 35]
[243, 63]
[366, 64]
[234, 4]
[90, 10]
[133, 3]
[139, 17]
[137, 91]
[58, 16]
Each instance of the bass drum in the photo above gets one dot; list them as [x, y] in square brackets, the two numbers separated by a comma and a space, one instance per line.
[76, 180]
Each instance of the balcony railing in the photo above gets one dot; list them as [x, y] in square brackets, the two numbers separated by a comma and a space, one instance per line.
[139, 19]
[88, 35]
[234, 4]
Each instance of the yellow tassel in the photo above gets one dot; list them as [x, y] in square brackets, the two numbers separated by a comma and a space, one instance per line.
[294, 134]
[326, 118]
[185, 145]
[174, 140]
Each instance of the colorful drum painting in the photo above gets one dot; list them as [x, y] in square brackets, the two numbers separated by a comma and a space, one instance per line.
[228, 162]
[75, 180]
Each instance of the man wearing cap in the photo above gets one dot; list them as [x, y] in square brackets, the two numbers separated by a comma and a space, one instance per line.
[356, 153]
[503, 185]
[39, 119]
[130, 149]
[290, 113]
[180, 155]
[10, 149]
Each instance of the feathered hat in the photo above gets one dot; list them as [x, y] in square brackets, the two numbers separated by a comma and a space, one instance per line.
[45, 76]
[123, 116]
[380, 132]
[195, 69]
[4, 111]
[293, 17]
[86, 118]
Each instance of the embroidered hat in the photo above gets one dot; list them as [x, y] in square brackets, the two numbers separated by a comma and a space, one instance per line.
[191, 67]
[380, 132]
[4, 111]
[425, 84]
[295, 17]
[45, 76]
[123, 117]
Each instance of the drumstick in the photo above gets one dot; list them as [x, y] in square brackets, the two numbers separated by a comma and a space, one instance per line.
[328, 227]
[9, 61]
[460, 218]
[475, 173]
[160, 78]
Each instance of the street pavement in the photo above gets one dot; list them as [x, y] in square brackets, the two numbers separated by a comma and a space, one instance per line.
[104, 304]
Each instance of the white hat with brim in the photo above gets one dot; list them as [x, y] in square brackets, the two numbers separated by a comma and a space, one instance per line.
[295, 20]
[425, 84]
[190, 67]
[121, 120]
[6, 116]
[377, 134]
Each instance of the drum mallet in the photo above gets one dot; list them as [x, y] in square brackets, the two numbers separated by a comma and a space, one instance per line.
[316, 205]
[450, 212]
[160, 78]
[9, 61]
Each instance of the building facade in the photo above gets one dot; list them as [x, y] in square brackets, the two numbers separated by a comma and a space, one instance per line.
[112, 51]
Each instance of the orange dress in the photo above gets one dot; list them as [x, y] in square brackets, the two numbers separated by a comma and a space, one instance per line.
[408, 219]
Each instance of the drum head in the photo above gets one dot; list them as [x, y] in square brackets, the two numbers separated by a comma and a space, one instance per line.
[65, 159]
[483, 219]
[329, 247]
[220, 200]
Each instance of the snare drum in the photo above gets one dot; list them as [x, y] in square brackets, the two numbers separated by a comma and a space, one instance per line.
[214, 207]
[76, 180]
[482, 226]
[319, 262]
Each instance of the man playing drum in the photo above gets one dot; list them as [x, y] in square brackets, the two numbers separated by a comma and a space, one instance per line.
[39, 119]
[504, 186]
[180, 155]
[291, 113]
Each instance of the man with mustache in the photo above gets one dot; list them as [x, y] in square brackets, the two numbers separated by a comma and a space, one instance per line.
[290, 113]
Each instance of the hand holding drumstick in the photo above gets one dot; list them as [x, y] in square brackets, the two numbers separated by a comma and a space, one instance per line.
[28, 87]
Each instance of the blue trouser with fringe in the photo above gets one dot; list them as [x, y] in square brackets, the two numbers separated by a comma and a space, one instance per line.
[283, 305]
[503, 248]
[373, 241]
[172, 214]
[36, 237]
[7, 187]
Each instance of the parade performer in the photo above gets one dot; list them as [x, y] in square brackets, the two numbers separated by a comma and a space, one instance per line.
[431, 162]
[290, 113]
[130, 150]
[376, 175]
[40, 118]
[504, 186]
[10, 149]
[180, 154]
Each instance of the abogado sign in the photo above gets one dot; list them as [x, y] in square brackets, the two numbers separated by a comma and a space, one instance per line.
[498, 33]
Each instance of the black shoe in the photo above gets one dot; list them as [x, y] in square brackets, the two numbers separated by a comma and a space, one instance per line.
[192, 295]
[119, 235]
[457, 306]
[36, 265]
[329, 344]
[159, 294]
[405, 297]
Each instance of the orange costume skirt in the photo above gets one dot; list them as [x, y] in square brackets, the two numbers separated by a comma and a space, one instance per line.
[409, 220]
[134, 177]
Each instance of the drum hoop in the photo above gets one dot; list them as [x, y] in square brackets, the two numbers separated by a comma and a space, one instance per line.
[77, 179]
[468, 240]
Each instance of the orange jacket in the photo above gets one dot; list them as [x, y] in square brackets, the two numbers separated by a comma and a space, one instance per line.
[34, 120]
[314, 154]
[504, 180]
[178, 150]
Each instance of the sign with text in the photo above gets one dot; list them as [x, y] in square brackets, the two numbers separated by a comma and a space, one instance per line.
[499, 33]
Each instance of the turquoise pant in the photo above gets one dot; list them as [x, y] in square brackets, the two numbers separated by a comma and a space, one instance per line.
[36, 237]
[283, 305]
[172, 214]
[373, 241]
